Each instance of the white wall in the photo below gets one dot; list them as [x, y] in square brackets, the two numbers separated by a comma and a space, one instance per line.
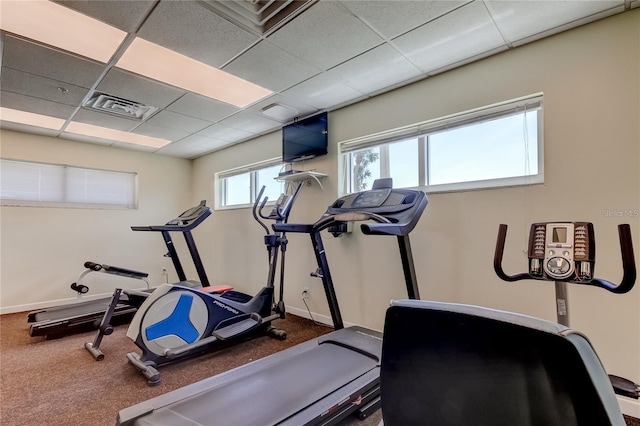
[44, 249]
[590, 78]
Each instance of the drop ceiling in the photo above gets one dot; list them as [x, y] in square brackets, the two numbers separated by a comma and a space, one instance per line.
[311, 55]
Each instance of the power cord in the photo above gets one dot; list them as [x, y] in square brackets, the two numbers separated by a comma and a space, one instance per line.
[304, 300]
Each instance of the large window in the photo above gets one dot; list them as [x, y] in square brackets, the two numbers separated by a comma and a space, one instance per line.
[58, 185]
[499, 145]
[240, 187]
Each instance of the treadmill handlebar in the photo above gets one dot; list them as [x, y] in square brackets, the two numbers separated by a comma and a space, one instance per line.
[183, 223]
[626, 249]
[397, 214]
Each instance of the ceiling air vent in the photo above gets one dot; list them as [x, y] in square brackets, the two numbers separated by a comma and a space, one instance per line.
[260, 16]
[114, 105]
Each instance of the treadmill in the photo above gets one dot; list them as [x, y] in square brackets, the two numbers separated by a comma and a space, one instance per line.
[59, 321]
[321, 381]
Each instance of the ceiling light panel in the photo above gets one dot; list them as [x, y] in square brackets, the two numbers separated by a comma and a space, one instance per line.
[149, 59]
[114, 135]
[23, 117]
[61, 27]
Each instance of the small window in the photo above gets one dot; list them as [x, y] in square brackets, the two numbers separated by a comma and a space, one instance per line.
[58, 185]
[495, 146]
[239, 187]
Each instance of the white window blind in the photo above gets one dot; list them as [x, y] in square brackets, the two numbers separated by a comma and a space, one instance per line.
[51, 185]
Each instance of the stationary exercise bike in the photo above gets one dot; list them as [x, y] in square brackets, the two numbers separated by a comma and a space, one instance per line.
[564, 252]
[176, 322]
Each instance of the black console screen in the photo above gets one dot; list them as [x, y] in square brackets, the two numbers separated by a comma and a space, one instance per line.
[369, 199]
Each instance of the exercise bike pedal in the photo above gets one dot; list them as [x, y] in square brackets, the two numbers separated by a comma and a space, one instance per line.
[251, 322]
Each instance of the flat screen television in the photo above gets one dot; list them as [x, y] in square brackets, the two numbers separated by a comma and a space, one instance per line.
[305, 139]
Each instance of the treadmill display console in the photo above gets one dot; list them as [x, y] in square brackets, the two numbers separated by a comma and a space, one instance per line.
[369, 199]
[561, 250]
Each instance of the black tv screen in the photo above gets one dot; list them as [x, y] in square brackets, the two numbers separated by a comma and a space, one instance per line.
[305, 139]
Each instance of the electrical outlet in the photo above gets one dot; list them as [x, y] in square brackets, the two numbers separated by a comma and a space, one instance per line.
[305, 293]
[164, 271]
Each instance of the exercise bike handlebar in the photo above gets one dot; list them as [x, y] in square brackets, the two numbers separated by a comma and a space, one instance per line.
[628, 262]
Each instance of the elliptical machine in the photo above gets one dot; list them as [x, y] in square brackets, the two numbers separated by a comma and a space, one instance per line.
[565, 252]
[176, 322]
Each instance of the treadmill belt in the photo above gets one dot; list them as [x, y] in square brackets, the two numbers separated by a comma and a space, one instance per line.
[271, 395]
[92, 307]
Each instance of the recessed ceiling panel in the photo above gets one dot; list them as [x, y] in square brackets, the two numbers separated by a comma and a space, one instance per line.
[463, 33]
[325, 35]
[270, 67]
[250, 122]
[192, 146]
[201, 107]
[168, 133]
[194, 31]
[178, 121]
[376, 69]
[136, 88]
[104, 120]
[323, 91]
[46, 62]
[393, 18]
[124, 15]
[35, 105]
[41, 87]
[217, 131]
[522, 19]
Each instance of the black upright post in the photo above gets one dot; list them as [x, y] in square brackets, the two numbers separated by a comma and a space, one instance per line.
[408, 267]
[173, 254]
[327, 282]
[191, 244]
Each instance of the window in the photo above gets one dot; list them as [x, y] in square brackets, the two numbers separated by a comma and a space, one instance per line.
[58, 185]
[499, 145]
[240, 187]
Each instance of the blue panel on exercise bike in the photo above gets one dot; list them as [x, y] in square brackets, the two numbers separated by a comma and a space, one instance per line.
[177, 323]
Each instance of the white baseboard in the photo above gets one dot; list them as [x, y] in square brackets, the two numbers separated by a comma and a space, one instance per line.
[629, 406]
[323, 319]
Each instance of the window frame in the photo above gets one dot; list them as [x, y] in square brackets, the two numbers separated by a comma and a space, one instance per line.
[423, 130]
[133, 176]
[221, 188]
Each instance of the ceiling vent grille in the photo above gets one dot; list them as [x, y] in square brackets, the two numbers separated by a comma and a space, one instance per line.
[114, 105]
[260, 16]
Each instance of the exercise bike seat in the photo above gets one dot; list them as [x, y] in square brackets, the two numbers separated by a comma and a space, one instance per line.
[451, 364]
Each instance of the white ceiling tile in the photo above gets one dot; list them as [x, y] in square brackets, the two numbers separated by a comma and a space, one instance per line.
[465, 32]
[250, 122]
[378, 68]
[104, 120]
[193, 30]
[35, 105]
[139, 89]
[122, 14]
[18, 127]
[41, 87]
[323, 91]
[521, 19]
[35, 59]
[392, 18]
[178, 121]
[192, 146]
[325, 35]
[201, 107]
[270, 67]
[229, 134]
[87, 139]
[168, 133]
